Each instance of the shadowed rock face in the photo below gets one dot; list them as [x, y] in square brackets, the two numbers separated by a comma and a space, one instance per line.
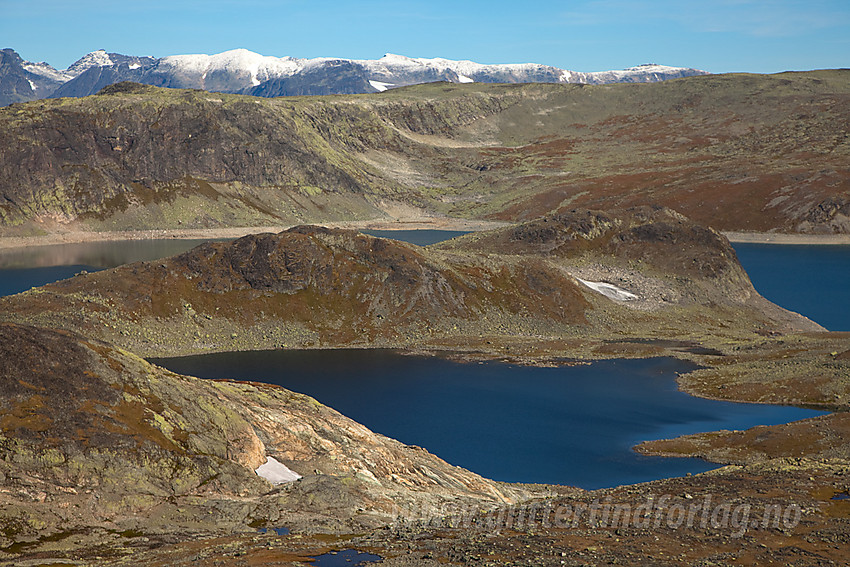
[91, 435]
[72, 395]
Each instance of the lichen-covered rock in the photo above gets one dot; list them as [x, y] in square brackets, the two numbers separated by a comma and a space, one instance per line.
[93, 436]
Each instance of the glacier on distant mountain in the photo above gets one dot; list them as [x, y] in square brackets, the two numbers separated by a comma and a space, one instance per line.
[252, 67]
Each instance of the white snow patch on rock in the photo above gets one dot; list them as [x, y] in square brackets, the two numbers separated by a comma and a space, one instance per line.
[99, 58]
[609, 290]
[276, 472]
[44, 70]
[379, 86]
[258, 68]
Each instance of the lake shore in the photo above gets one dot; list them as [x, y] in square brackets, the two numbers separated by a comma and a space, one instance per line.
[784, 238]
[77, 236]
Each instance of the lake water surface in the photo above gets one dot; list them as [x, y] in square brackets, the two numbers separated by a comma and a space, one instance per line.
[23, 268]
[570, 425]
[811, 280]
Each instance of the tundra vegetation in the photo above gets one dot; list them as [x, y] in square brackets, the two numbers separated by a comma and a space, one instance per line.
[105, 458]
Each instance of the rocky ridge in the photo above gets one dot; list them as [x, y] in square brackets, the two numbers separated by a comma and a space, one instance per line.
[245, 72]
[736, 152]
[319, 287]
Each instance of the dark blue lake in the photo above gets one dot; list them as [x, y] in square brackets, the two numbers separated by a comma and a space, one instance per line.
[570, 425]
[811, 280]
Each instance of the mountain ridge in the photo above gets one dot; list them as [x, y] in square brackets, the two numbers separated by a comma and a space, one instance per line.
[735, 152]
[245, 72]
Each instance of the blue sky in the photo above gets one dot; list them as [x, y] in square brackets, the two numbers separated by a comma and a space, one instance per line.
[594, 35]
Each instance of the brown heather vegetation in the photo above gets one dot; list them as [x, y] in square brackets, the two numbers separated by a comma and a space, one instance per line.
[735, 152]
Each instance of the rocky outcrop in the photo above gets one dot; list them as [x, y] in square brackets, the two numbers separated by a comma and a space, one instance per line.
[94, 437]
[660, 237]
[335, 77]
[318, 287]
[201, 162]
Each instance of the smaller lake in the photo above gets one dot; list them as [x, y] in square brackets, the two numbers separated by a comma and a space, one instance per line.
[569, 425]
[16, 280]
[24, 268]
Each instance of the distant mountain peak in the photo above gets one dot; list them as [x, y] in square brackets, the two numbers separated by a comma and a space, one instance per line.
[99, 58]
[244, 71]
[394, 57]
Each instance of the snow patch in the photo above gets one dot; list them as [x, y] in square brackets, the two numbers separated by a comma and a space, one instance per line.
[640, 74]
[135, 66]
[45, 70]
[379, 86]
[32, 85]
[609, 290]
[391, 66]
[99, 58]
[276, 472]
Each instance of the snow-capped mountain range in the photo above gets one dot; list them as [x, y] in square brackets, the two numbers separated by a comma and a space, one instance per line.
[246, 72]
